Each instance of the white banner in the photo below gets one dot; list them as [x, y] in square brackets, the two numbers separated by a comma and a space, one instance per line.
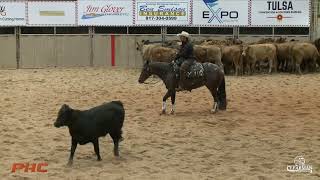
[105, 13]
[12, 13]
[51, 13]
[169, 12]
[220, 12]
[280, 13]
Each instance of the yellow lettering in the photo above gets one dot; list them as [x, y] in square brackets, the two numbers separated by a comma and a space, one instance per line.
[158, 13]
[143, 13]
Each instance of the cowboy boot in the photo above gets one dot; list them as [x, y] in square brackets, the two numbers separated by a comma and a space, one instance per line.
[179, 88]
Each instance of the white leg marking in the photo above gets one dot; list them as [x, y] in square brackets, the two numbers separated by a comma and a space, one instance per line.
[215, 108]
[163, 106]
[172, 109]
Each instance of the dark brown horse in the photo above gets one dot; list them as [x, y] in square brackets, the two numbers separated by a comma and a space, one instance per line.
[213, 79]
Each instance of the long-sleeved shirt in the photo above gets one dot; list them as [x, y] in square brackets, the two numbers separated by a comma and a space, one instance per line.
[186, 51]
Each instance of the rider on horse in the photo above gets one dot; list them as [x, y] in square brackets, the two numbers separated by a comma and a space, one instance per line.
[184, 58]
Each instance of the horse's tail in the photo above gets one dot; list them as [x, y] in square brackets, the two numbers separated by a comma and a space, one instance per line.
[222, 96]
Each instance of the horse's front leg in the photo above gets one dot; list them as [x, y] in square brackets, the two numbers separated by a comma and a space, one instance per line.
[173, 100]
[165, 97]
[215, 100]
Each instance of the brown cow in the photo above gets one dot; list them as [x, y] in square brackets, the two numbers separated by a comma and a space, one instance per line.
[317, 43]
[226, 42]
[270, 40]
[284, 55]
[155, 52]
[231, 56]
[258, 53]
[306, 53]
[208, 53]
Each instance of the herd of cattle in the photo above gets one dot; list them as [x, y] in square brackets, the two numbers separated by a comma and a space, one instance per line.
[240, 58]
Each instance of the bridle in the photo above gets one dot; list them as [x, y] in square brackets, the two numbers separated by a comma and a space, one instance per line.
[154, 81]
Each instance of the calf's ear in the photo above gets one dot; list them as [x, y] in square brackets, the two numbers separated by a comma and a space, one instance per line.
[65, 107]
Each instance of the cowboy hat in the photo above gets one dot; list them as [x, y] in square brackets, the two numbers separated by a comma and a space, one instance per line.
[184, 33]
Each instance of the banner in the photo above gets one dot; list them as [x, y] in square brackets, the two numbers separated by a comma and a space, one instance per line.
[215, 13]
[280, 13]
[105, 13]
[159, 13]
[220, 13]
[12, 13]
[51, 13]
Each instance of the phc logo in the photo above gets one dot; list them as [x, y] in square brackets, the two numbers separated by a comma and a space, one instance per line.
[29, 167]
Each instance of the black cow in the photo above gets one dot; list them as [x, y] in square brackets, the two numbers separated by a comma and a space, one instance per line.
[87, 126]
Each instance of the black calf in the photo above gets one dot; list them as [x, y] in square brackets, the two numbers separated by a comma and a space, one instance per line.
[87, 126]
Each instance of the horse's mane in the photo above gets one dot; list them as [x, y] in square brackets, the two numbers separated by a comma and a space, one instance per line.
[160, 65]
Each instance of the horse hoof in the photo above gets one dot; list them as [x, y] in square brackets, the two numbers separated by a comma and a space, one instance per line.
[172, 112]
[69, 164]
[213, 111]
[163, 112]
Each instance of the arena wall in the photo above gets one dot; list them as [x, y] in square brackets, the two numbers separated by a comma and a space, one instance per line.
[101, 50]
[41, 51]
[73, 50]
[37, 51]
[8, 51]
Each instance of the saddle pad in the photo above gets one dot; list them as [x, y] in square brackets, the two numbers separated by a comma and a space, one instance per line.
[196, 71]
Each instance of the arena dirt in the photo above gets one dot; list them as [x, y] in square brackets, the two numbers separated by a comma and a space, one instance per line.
[270, 120]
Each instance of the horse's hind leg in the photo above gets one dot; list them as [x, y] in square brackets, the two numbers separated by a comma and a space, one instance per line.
[215, 100]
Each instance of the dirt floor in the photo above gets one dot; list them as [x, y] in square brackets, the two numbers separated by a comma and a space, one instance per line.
[270, 120]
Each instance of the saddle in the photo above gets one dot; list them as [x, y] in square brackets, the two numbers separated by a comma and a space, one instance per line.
[196, 70]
